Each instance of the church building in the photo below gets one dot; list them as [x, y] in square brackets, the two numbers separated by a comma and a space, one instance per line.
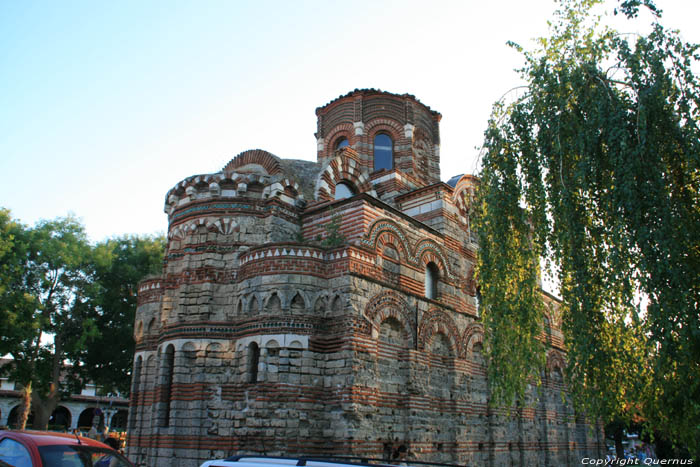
[330, 308]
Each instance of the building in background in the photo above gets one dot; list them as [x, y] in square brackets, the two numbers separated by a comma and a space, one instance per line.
[78, 411]
[331, 308]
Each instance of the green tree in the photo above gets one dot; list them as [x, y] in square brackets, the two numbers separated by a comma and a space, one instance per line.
[333, 236]
[16, 306]
[63, 300]
[106, 350]
[597, 169]
[53, 279]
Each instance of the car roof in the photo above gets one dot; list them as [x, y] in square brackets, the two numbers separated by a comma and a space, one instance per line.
[51, 438]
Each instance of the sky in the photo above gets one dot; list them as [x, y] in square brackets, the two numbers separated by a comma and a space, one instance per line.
[105, 106]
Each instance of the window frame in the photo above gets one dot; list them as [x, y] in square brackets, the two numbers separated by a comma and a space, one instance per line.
[374, 151]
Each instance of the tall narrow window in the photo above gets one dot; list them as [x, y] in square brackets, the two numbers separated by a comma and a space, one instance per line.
[383, 152]
[478, 302]
[253, 359]
[431, 279]
[167, 381]
[135, 388]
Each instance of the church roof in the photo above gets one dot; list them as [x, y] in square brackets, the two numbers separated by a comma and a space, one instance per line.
[453, 181]
[371, 92]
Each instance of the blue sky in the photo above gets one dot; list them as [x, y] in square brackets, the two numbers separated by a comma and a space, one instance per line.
[104, 106]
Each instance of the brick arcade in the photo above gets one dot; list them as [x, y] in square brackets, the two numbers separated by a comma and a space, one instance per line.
[261, 336]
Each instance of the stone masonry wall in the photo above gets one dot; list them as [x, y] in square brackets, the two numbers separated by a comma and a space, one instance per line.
[262, 337]
[353, 359]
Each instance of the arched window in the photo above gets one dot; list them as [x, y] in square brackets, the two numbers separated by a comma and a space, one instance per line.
[13, 417]
[135, 388]
[341, 143]
[478, 302]
[89, 417]
[343, 190]
[60, 417]
[431, 279]
[168, 364]
[118, 420]
[383, 152]
[253, 359]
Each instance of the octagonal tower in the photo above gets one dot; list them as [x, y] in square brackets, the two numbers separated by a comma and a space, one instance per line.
[395, 136]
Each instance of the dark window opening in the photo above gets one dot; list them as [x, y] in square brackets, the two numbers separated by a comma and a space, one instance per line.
[135, 388]
[431, 279]
[169, 363]
[60, 419]
[253, 359]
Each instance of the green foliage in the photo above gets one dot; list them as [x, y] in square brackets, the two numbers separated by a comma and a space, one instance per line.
[16, 305]
[509, 285]
[333, 236]
[63, 300]
[598, 170]
[107, 346]
[49, 277]
[54, 276]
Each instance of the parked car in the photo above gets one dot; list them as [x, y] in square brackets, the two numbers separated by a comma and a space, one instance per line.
[49, 449]
[271, 461]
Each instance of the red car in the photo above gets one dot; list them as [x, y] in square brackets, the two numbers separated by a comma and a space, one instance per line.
[49, 449]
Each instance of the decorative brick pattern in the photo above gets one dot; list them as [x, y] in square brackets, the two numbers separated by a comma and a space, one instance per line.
[257, 157]
[344, 166]
[259, 338]
[435, 322]
[361, 114]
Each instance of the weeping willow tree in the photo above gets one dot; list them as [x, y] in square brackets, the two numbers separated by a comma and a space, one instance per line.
[596, 168]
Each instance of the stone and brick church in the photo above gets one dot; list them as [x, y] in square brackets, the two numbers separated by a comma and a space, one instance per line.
[330, 307]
